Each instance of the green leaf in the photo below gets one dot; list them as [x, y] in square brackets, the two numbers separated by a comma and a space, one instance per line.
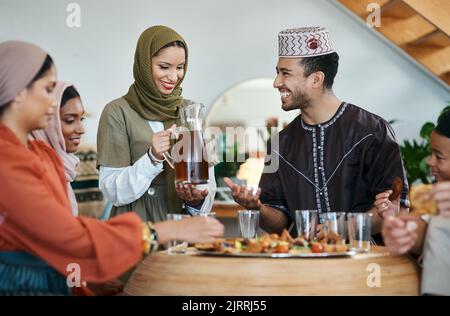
[414, 156]
[423, 166]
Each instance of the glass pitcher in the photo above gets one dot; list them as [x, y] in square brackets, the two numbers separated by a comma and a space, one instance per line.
[188, 153]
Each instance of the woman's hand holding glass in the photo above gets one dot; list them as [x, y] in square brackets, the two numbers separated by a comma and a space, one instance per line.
[202, 229]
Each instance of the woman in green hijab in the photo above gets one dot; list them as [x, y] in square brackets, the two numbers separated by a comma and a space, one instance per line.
[134, 134]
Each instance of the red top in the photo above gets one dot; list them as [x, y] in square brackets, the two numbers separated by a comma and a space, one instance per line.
[35, 216]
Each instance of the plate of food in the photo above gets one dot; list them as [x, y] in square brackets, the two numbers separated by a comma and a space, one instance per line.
[274, 246]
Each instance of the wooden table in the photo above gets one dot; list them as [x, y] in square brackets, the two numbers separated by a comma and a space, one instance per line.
[163, 274]
[226, 210]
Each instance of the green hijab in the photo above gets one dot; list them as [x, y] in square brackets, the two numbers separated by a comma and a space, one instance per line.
[145, 99]
[143, 96]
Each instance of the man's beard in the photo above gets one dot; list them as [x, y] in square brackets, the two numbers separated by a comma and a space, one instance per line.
[300, 101]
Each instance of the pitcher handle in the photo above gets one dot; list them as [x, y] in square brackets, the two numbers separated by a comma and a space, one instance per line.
[174, 134]
[169, 159]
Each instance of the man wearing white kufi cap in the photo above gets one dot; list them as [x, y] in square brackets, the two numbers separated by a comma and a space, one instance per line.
[334, 156]
[304, 42]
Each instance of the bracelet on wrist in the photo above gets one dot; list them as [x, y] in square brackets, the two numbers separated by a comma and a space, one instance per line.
[153, 158]
[153, 237]
[194, 205]
[149, 238]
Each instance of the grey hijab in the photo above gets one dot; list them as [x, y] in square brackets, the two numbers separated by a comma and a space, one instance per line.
[19, 63]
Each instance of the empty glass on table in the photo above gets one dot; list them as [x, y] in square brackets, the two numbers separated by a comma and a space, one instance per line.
[359, 231]
[176, 246]
[248, 223]
[333, 228]
[306, 222]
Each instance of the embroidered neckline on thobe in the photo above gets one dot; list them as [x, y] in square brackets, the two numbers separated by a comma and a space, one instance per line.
[318, 158]
[324, 190]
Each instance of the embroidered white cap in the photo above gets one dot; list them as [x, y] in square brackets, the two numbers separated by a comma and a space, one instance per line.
[304, 42]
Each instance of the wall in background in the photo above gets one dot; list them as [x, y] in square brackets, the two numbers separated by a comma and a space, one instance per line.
[229, 41]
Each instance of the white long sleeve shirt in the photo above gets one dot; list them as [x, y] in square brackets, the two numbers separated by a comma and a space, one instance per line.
[121, 186]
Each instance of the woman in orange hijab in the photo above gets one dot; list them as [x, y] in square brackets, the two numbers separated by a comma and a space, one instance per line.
[41, 242]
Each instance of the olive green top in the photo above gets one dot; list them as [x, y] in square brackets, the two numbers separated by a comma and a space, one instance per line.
[123, 138]
[124, 134]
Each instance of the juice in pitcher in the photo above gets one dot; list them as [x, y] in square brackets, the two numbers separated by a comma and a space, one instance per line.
[190, 163]
[192, 167]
